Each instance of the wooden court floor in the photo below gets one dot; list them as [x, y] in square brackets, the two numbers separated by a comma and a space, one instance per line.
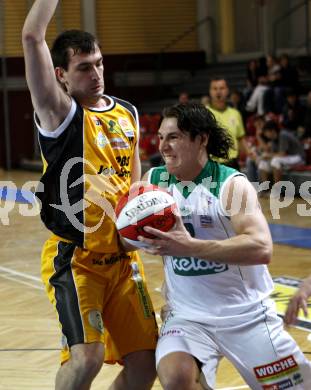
[29, 337]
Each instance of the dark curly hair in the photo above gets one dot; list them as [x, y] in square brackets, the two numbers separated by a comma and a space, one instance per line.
[77, 40]
[196, 119]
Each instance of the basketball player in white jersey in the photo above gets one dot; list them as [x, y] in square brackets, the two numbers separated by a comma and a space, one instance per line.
[217, 283]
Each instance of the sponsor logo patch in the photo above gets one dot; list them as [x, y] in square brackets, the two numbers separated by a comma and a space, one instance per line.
[96, 120]
[96, 321]
[118, 143]
[101, 140]
[206, 221]
[191, 266]
[110, 259]
[275, 369]
[126, 127]
[172, 332]
[106, 171]
[63, 342]
[279, 385]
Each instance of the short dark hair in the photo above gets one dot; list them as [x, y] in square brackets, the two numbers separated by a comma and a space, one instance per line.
[196, 119]
[79, 41]
[217, 78]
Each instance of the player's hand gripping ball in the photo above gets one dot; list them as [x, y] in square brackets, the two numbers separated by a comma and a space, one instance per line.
[146, 206]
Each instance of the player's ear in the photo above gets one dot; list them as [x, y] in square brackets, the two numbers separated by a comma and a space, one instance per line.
[204, 139]
[60, 76]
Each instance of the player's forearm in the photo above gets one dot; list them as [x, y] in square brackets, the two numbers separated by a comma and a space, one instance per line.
[240, 250]
[38, 19]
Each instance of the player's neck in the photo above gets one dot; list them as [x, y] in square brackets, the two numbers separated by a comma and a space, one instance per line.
[219, 105]
[97, 104]
[194, 172]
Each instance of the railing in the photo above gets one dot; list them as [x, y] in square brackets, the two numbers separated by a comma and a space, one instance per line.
[285, 16]
[207, 20]
[158, 63]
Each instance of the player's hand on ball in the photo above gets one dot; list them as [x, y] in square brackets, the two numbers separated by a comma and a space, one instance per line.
[177, 241]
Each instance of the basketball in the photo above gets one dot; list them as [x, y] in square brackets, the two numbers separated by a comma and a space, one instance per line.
[146, 206]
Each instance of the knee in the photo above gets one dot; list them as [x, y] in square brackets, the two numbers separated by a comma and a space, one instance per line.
[178, 380]
[87, 358]
[140, 367]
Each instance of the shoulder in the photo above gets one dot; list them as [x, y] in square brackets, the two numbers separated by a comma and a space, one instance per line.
[126, 105]
[158, 176]
[237, 191]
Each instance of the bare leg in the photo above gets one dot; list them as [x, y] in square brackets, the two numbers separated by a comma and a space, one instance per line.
[139, 372]
[82, 367]
[179, 370]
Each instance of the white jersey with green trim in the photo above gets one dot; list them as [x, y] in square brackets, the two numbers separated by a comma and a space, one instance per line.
[205, 290]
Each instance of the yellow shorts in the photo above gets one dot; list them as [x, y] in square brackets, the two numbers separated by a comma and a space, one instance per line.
[99, 298]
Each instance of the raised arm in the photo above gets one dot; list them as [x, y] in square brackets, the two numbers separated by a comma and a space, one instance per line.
[50, 101]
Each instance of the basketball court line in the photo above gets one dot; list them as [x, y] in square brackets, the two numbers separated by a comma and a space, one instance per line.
[18, 273]
[291, 235]
[21, 282]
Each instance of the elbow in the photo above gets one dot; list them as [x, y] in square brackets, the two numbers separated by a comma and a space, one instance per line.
[262, 253]
[265, 252]
[30, 37]
[266, 257]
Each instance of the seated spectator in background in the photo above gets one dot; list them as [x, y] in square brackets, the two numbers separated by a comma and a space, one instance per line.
[286, 151]
[304, 132]
[289, 74]
[205, 100]
[273, 66]
[236, 101]
[252, 72]
[255, 103]
[293, 111]
[229, 118]
[183, 98]
[258, 147]
[262, 67]
[274, 98]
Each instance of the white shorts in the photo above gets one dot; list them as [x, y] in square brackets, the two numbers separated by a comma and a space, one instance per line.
[265, 355]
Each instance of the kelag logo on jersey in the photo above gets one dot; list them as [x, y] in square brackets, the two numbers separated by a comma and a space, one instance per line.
[191, 266]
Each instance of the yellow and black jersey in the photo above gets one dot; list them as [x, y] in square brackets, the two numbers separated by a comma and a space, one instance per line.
[87, 167]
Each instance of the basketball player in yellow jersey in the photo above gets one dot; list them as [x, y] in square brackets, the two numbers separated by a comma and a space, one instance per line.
[89, 144]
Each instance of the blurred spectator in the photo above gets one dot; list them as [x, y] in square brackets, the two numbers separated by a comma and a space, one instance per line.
[148, 141]
[183, 98]
[205, 100]
[256, 101]
[252, 73]
[259, 146]
[293, 111]
[286, 151]
[262, 67]
[229, 118]
[289, 74]
[304, 132]
[236, 101]
[273, 67]
[274, 98]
